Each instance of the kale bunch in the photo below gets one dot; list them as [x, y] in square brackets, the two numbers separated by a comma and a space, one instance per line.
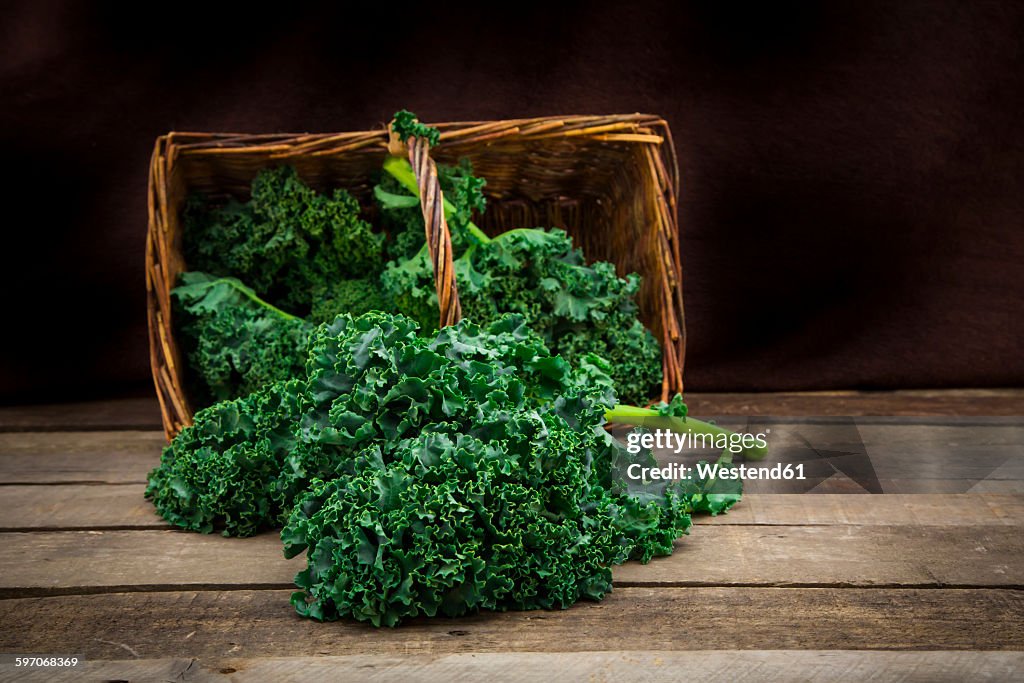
[445, 474]
[450, 523]
[576, 308]
[288, 242]
[465, 471]
[234, 341]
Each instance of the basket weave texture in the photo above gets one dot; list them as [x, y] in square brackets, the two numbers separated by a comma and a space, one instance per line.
[611, 182]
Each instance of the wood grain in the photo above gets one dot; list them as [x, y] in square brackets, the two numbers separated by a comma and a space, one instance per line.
[128, 413]
[79, 457]
[70, 562]
[262, 623]
[77, 506]
[654, 666]
[906, 458]
[96, 507]
[86, 566]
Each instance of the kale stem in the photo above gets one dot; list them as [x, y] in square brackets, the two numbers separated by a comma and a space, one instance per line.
[401, 170]
[635, 415]
[252, 296]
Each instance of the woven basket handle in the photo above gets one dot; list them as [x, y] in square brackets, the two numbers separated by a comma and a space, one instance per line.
[439, 240]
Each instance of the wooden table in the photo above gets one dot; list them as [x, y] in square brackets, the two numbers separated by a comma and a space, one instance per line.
[842, 587]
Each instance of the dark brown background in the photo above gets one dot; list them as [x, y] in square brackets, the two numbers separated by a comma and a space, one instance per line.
[852, 173]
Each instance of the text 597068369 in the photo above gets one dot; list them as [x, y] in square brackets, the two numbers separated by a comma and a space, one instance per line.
[42, 661]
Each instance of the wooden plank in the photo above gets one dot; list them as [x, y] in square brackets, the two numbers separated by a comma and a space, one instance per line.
[67, 562]
[91, 561]
[709, 666]
[838, 556]
[262, 623]
[144, 412]
[69, 457]
[77, 506]
[102, 506]
[129, 413]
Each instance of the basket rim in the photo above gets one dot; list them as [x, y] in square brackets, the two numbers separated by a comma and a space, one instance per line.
[381, 129]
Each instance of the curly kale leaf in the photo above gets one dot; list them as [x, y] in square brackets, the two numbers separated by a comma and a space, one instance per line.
[354, 297]
[450, 524]
[220, 472]
[287, 241]
[370, 379]
[234, 341]
[406, 125]
[705, 495]
[674, 408]
[577, 308]
[374, 379]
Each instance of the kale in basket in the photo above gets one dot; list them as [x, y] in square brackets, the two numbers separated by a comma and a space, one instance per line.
[577, 308]
[312, 254]
[288, 242]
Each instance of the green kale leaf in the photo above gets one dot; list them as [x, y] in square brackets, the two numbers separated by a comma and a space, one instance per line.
[234, 341]
[402, 218]
[406, 125]
[354, 297]
[287, 242]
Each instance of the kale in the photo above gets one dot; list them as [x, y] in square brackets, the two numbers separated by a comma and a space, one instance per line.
[349, 296]
[469, 470]
[286, 242]
[234, 341]
[674, 408]
[422, 471]
[444, 474]
[577, 308]
[448, 523]
[215, 473]
[406, 125]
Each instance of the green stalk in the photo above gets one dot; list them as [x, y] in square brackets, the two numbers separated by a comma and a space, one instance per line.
[251, 295]
[635, 415]
[401, 170]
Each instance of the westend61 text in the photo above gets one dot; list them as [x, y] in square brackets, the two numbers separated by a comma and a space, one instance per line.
[715, 471]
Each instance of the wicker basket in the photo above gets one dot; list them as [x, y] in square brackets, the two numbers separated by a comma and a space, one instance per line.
[610, 181]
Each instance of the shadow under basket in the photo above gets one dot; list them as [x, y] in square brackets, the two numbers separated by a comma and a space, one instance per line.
[611, 182]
